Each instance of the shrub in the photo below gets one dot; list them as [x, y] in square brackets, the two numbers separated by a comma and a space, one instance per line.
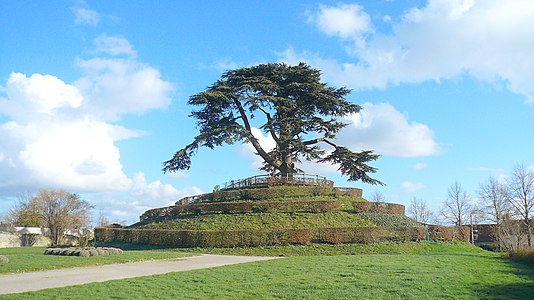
[3, 259]
[242, 207]
[526, 255]
[208, 238]
[446, 233]
[379, 207]
[382, 219]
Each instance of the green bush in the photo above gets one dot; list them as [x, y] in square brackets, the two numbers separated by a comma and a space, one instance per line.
[264, 237]
[258, 221]
[526, 255]
[381, 219]
[366, 235]
[449, 233]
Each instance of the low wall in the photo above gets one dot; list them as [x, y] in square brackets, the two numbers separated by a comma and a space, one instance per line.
[381, 207]
[12, 239]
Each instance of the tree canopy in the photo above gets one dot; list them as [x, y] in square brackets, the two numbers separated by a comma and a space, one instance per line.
[291, 105]
[58, 211]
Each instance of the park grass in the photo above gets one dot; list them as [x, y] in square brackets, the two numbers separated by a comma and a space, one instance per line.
[28, 259]
[437, 271]
[407, 248]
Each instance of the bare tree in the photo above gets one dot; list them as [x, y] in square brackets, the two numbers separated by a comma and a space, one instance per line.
[521, 196]
[420, 212]
[102, 220]
[457, 206]
[494, 206]
[58, 211]
[377, 196]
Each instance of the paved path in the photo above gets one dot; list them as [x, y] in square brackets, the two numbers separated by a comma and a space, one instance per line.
[32, 281]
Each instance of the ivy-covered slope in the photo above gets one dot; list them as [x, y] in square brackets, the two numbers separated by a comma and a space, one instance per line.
[260, 208]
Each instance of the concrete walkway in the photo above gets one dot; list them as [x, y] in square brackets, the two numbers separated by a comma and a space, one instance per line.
[33, 281]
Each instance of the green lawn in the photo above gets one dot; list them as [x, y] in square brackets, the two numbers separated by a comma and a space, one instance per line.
[27, 259]
[435, 271]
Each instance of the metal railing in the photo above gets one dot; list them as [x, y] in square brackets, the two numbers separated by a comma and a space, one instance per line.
[287, 179]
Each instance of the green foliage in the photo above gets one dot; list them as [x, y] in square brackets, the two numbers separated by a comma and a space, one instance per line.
[290, 103]
[206, 238]
[241, 207]
[447, 233]
[381, 219]
[271, 193]
[57, 210]
[526, 255]
[261, 221]
[258, 237]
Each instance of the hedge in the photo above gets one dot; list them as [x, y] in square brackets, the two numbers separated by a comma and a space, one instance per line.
[366, 235]
[382, 207]
[242, 207]
[447, 233]
[206, 238]
[267, 237]
[271, 192]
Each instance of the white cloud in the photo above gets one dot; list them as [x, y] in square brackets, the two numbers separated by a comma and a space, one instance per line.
[379, 127]
[344, 20]
[489, 40]
[412, 187]
[37, 97]
[420, 166]
[114, 45]
[58, 135]
[387, 131]
[85, 16]
[113, 87]
[141, 197]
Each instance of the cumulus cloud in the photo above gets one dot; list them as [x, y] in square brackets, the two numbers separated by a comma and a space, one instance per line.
[489, 40]
[120, 85]
[147, 195]
[142, 195]
[379, 127]
[420, 166]
[347, 21]
[86, 16]
[58, 135]
[387, 131]
[114, 45]
[412, 187]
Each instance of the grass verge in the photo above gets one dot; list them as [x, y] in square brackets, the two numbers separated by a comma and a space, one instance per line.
[28, 259]
[438, 271]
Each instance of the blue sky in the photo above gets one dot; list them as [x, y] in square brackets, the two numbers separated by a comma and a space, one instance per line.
[93, 94]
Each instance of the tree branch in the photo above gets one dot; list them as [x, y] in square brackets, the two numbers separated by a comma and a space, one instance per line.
[253, 140]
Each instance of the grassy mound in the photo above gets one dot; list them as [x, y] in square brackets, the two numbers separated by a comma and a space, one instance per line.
[281, 214]
[261, 221]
